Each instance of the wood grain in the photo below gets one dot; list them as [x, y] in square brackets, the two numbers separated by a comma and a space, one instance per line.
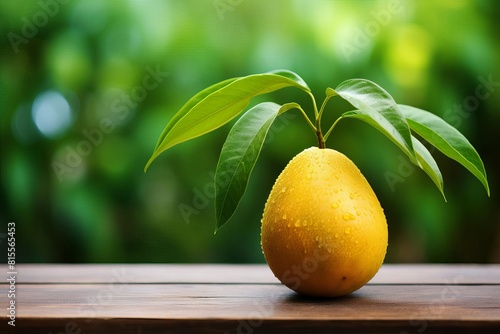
[250, 273]
[248, 299]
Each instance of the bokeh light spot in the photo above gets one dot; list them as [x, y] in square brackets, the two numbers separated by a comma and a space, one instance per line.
[51, 113]
[409, 55]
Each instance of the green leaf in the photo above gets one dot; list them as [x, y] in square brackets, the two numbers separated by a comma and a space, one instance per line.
[215, 107]
[374, 102]
[291, 75]
[330, 92]
[447, 139]
[239, 155]
[427, 163]
[190, 104]
[383, 125]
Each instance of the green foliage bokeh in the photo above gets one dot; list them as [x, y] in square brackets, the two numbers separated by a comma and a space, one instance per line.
[121, 69]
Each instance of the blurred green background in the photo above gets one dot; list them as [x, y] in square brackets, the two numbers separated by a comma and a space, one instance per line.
[86, 87]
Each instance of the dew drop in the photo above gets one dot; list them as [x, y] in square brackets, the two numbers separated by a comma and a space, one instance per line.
[335, 205]
[297, 223]
[348, 230]
[351, 196]
[284, 216]
[358, 213]
[348, 216]
[283, 190]
[304, 223]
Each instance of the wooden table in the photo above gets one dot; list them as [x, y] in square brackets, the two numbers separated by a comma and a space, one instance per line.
[142, 298]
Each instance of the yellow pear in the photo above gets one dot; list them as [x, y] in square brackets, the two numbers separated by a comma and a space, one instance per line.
[324, 232]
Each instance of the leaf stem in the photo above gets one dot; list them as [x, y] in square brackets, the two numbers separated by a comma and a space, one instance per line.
[317, 128]
[331, 128]
[321, 140]
[319, 134]
[307, 119]
[327, 98]
[316, 114]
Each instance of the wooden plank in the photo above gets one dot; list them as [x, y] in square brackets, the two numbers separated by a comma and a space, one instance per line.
[144, 273]
[148, 326]
[230, 301]
[252, 273]
[438, 274]
[248, 299]
[150, 308]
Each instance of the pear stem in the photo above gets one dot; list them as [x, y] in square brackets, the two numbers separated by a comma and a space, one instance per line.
[321, 141]
[317, 116]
